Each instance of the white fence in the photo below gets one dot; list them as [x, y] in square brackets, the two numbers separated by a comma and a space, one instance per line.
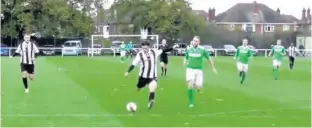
[114, 51]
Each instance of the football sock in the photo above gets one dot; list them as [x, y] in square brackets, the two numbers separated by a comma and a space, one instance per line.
[25, 83]
[275, 72]
[291, 65]
[240, 73]
[122, 58]
[190, 96]
[151, 96]
[165, 71]
[243, 76]
[162, 70]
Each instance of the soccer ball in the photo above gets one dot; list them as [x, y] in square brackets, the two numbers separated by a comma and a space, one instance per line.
[131, 107]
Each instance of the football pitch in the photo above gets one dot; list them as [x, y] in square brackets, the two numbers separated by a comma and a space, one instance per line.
[81, 91]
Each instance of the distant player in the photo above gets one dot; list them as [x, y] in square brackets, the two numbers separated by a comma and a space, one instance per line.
[28, 51]
[194, 58]
[148, 69]
[163, 58]
[278, 51]
[242, 55]
[130, 49]
[292, 51]
[123, 51]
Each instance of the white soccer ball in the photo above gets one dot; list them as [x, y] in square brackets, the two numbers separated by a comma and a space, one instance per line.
[131, 107]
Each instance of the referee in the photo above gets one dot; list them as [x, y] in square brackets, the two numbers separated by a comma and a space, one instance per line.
[164, 58]
[292, 50]
[28, 51]
[148, 69]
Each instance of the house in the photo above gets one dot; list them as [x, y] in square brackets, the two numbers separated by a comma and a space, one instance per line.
[202, 14]
[304, 37]
[255, 18]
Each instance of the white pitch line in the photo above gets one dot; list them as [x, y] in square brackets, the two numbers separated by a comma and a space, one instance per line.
[158, 115]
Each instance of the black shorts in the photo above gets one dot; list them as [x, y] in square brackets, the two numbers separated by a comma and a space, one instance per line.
[142, 82]
[164, 60]
[29, 68]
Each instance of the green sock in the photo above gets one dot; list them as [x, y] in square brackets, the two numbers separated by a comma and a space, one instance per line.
[122, 59]
[275, 72]
[243, 77]
[190, 96]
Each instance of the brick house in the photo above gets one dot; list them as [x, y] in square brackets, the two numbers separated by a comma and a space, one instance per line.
[254, 17]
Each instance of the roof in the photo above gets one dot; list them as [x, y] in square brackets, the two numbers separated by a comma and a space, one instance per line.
[254, 12]
[203, 14]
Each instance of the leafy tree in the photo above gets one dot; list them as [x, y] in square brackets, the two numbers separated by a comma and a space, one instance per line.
[170, 18]
[48, 17]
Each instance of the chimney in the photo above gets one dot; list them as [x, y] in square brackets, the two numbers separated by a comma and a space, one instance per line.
[209, 14]
[278, 11]
[309, 15]
[303, 14]
[213, 12]
[255, 8]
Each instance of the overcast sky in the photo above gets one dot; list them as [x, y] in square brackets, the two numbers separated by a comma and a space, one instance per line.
[290, 7]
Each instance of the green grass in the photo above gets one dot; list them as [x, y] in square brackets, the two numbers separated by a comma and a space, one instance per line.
[81, 91]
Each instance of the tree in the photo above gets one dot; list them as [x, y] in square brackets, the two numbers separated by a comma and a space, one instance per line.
[170, 18]
[48, 17]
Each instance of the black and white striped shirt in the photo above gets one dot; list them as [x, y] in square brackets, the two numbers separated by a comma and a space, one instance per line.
[148, 63]
[27, 51]
[292, 51]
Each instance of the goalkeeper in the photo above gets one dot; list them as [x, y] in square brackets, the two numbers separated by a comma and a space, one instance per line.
[130, 50]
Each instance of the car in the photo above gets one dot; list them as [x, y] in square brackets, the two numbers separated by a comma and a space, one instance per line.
[253, 50]
[48, 50]
[72, 47]
[97, 49]
[209, 49]
[228, 50]
[180, 50]
[4, 50]
[115, 46]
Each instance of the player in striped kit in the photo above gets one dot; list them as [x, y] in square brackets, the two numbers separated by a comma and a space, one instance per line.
[148, 69]
[28, 51]
[292, 51]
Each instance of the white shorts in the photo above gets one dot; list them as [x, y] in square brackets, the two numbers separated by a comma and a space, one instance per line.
[123, 53]
[242, 67]
[195, 75]
[277, 63]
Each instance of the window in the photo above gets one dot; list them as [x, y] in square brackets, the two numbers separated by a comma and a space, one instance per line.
[286, 27]
[296, 28]
[269, 28]
[249, 27]
[232, 27]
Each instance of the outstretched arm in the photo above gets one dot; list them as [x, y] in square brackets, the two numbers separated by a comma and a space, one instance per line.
[158, 52]
[36, 50]
[18, 50]
[134, 63]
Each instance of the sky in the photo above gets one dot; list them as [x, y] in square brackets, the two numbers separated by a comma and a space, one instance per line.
[288, 7]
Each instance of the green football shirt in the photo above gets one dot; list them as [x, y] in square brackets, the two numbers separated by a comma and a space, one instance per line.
[278, 52]
[242, 54]
[123, 47]
[195, 57]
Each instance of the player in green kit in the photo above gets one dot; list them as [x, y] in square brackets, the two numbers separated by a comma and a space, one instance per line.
[194, 58]
[123, 51]
[278, 51]
[242, 55]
